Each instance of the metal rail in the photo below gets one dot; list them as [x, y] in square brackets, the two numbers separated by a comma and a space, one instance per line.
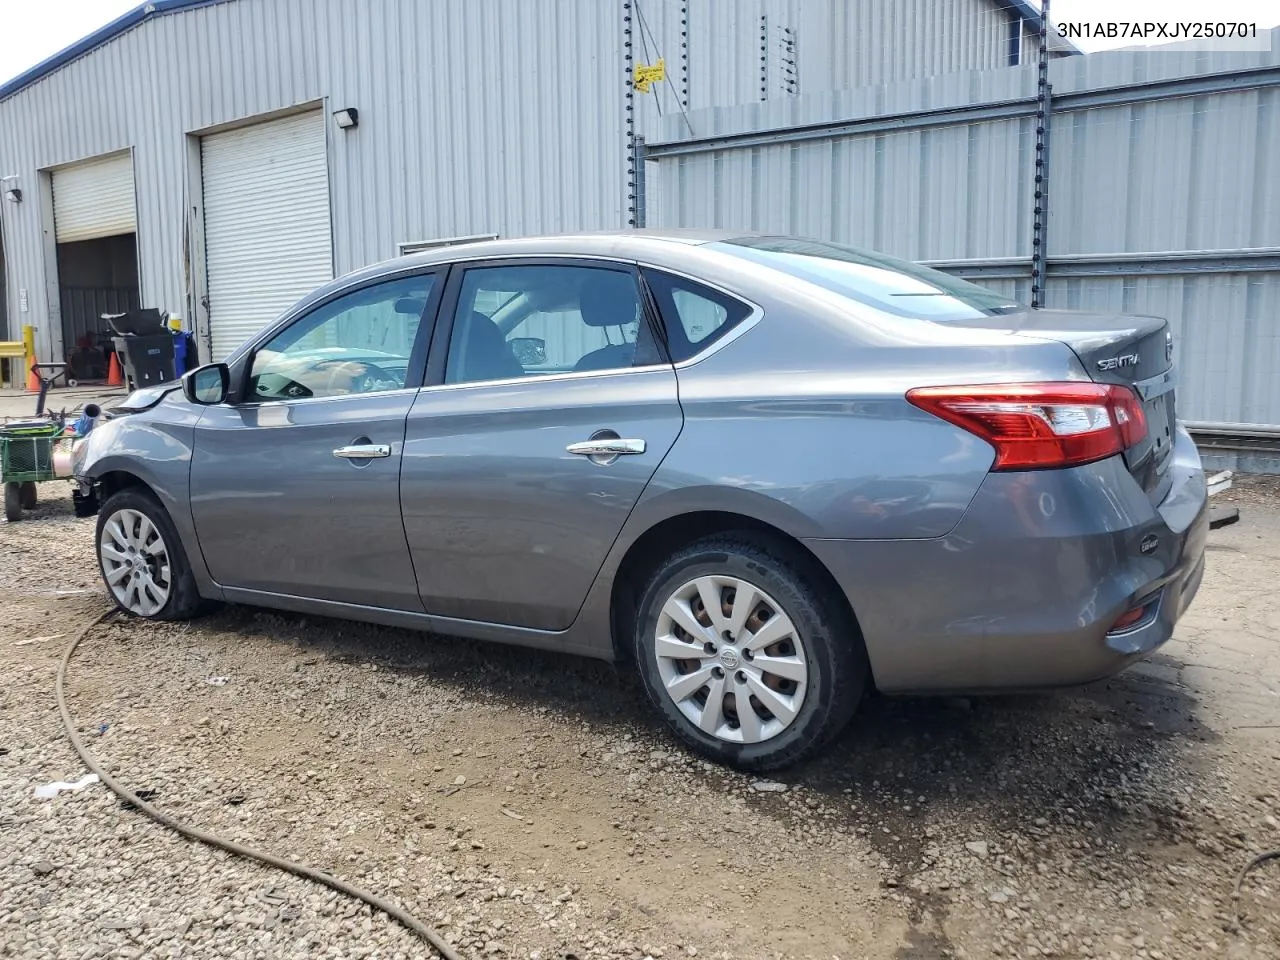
[1142, 263]
[1253, 78]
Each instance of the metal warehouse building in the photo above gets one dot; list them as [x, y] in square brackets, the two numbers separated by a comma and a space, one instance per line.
[219, 158]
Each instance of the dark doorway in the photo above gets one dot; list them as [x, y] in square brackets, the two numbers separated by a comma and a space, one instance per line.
[5, 332]
[95, 277]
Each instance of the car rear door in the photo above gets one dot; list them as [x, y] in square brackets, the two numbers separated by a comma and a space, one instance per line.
[295, 489]
[548, 408]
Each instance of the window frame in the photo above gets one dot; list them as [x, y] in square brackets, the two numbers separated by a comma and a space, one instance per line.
[415, 372]
[674, 333]
[438, 355]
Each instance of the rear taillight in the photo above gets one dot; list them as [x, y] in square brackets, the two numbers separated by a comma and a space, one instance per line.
[1038, 425]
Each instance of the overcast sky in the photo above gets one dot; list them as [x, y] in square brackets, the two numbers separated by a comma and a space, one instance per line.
[31, 30]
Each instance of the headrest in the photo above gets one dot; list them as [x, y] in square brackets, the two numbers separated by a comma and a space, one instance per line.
[608, 299]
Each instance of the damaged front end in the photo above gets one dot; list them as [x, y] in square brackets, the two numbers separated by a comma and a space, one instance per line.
[85, 495]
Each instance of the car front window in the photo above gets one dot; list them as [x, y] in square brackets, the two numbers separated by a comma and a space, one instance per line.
[894, 286]
[357, 343]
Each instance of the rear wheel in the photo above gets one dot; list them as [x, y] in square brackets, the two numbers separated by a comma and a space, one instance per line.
[13, 502]
[751, 661]
[142, 560]
[29, 497]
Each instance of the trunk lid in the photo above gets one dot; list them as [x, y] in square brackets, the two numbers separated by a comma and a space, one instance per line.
[1131, 350]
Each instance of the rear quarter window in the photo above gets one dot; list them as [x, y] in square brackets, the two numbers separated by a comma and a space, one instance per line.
[694, 316]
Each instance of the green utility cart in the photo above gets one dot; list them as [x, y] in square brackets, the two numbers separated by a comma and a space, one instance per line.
[26, 458]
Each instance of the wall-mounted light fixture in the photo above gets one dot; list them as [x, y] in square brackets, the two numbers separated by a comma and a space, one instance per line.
[348, 118]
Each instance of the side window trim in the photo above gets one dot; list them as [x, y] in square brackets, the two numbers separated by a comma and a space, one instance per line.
[447, 311]
[681, 351]
[416, 370]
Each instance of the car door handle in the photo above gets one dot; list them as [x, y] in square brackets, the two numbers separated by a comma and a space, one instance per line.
[363, 451]
[606, 447]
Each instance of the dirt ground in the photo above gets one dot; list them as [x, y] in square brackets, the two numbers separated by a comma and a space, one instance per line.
[530, 805]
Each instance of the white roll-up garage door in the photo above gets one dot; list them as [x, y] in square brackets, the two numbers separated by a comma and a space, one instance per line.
[94, 199]
[266, 216]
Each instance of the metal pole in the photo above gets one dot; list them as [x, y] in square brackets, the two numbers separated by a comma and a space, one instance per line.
[629, 113]
[641, 205]
[1040, 208]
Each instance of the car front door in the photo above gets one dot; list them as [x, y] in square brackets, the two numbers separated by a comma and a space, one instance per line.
[547, 409]
[295, 486]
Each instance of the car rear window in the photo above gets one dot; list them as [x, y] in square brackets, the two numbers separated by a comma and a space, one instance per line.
[694, 315]
[895, 286]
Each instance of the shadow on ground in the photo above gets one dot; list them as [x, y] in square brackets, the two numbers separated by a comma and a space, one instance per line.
[1083, 752]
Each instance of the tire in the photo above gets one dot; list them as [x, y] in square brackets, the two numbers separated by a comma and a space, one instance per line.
[13, 502]
[29, 497]
[160, 585]
[816, 645]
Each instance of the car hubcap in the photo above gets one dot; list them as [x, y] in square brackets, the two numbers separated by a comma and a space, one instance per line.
[135, 562]
[730, 659]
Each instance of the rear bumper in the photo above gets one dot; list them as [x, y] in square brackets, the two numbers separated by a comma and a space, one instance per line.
[1022, 593]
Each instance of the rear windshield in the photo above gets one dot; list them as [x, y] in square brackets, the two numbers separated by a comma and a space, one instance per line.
[895, 286]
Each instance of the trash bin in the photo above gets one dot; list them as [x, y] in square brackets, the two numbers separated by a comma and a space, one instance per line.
[145, 347]
[147, 360]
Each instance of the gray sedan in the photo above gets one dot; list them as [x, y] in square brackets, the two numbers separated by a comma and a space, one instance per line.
[769, 472]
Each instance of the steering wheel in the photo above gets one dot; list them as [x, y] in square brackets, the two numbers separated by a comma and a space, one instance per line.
[363, 375]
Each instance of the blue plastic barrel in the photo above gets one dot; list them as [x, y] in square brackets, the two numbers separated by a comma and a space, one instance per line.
[179, 352]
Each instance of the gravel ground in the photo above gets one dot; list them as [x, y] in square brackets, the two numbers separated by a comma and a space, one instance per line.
[528, 805]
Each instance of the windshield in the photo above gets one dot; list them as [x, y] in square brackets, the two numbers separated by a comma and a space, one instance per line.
[895, 286]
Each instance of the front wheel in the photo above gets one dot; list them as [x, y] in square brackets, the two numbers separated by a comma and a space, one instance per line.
[13, 502]
[142, 560]
[747, 654]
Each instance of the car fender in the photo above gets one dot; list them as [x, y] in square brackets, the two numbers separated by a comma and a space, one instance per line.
[156, 449]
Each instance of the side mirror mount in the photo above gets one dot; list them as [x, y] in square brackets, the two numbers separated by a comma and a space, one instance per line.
[207, 385]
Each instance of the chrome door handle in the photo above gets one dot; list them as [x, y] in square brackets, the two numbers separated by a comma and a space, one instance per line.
[606, 447]
[363, 451]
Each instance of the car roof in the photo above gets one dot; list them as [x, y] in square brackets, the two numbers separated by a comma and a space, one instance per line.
[616, 242]
[637, 244]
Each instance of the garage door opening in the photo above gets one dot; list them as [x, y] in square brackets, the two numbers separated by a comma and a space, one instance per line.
[95, 226]
[95, 277]
[5, 333]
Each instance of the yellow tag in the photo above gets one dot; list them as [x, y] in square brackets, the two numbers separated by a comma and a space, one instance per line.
[645, 74]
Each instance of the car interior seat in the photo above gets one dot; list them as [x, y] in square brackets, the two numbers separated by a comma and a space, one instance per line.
[608, 299]
[486, 355]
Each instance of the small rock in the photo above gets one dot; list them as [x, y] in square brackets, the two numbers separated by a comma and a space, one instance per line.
[999, 897]
[769, 786]
[459, 780]
[582, 844]
[42, 868]
[978, 848]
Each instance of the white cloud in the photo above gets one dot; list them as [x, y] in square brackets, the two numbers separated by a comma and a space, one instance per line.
[31, 32]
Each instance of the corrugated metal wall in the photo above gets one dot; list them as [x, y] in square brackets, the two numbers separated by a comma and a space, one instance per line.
[476, 116]
[1147, 179]
[495, 116]
[745, 51]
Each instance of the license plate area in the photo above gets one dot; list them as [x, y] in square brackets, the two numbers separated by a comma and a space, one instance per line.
[1161, 424]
